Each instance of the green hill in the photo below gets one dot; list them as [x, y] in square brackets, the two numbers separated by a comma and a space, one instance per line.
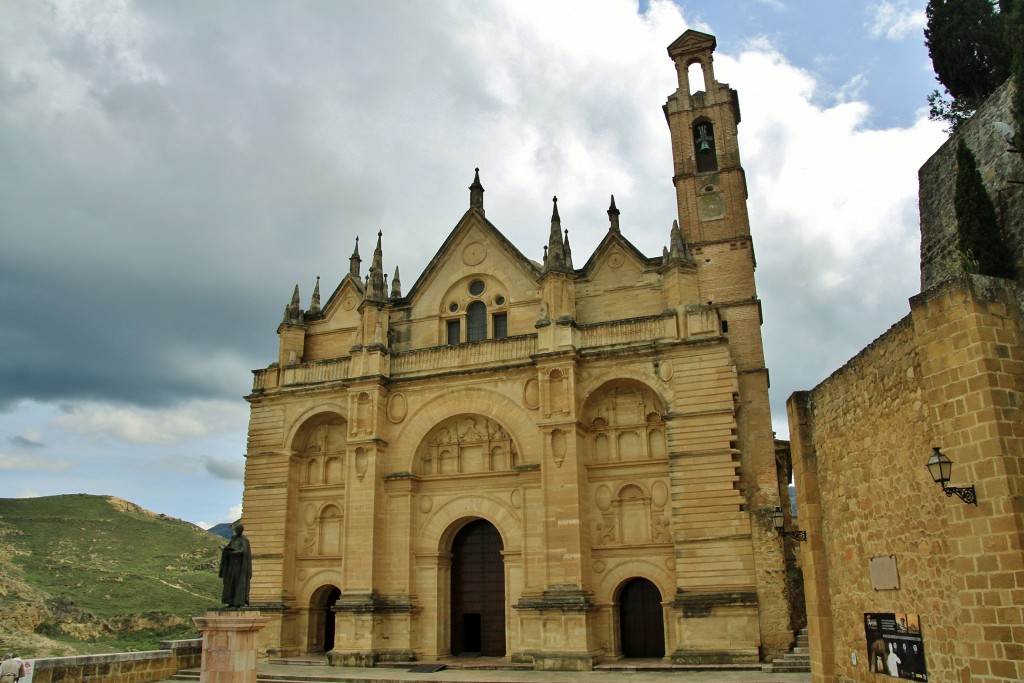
[85, 574]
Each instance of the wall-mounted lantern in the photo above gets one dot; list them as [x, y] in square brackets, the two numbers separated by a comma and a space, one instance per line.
[940, 467]
[780, 523]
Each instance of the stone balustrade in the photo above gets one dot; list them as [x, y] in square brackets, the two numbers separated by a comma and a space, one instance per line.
[491, 352]
[628, 331]
[476, 354]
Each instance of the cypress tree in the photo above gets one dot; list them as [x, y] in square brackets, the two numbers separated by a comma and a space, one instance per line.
[982, 245]
[968, 46]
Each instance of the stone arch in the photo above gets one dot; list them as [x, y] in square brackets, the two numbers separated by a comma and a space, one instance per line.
[588, 388]
[317, 580]
[615, 577]
[511, 415]
[459, 292]
[631, 491]
[447, 520]
[624, 420]
[311, 417]
[317, 442]
[466, 443]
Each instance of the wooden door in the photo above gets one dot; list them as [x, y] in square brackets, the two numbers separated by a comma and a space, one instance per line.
[478, 591]
[641, 624]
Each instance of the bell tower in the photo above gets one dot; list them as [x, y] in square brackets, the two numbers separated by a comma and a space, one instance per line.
[711, 196]
[711, 190]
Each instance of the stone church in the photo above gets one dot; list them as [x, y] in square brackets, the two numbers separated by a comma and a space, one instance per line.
[530, 459]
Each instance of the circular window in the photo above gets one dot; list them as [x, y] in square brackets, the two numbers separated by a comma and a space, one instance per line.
[476, 287]
[499, 300]
[453, 307]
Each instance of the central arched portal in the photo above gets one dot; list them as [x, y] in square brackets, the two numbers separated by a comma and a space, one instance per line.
[641, 624]
[478, 591]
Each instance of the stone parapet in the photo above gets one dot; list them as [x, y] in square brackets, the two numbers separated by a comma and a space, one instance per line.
[122, 667]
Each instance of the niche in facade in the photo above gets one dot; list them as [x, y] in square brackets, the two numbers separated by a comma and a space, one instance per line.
[466, 444]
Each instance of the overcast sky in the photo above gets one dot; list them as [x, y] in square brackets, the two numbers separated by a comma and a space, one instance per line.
[170, 170]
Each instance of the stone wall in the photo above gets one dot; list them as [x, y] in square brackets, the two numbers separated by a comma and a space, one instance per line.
[999, 168]
[122, 667]
[950, 374]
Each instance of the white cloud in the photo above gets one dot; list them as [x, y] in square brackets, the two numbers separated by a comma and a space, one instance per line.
[99, 421]
[833, 206]
[895, 20]
[244, 153]
[233, 514]
[852, 89]
[33, 463]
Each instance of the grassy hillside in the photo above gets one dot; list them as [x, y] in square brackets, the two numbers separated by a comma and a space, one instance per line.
[84, 574]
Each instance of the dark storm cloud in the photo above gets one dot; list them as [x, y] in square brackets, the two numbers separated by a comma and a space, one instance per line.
[24, 442]
[167, 179]
[170, 174]
[230, 470]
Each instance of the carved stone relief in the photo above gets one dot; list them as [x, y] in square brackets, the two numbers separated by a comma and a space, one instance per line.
[466, 444]
[625, 423]
[632, 516]
[323, 534]
[320, 452]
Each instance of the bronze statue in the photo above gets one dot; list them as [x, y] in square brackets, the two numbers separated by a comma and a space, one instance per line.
[236, 569]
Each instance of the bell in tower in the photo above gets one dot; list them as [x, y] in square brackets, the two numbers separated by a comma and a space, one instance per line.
[710, 187]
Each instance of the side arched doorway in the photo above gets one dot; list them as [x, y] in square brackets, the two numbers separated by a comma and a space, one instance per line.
[641, 623]
[478, 591]
[321, 619]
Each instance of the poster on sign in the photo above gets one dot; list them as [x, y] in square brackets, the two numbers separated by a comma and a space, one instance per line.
[895, 646]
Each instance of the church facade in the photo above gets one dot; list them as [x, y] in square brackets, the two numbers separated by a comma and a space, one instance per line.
[527, 459]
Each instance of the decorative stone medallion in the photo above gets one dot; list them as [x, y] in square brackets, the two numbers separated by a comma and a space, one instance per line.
[474, 253]
[397, 407]
[531, 394]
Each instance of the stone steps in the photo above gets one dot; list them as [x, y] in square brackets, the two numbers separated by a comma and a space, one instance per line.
[795, 661]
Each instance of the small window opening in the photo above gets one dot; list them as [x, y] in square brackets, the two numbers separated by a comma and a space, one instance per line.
[725, 327]
[500, 325]
[476, 287]
[453, 332]
[695, 74]
[476, 321]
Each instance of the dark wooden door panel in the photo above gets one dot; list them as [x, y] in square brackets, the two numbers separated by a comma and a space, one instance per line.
[641, 626]
[478, 591]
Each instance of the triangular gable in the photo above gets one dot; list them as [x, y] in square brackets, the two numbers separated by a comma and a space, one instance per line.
[471, 220]
[349, 289]
[692, 42]
[609, 243]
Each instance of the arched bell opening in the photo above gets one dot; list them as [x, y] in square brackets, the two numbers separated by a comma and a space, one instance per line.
[641, 620]
[704, 147]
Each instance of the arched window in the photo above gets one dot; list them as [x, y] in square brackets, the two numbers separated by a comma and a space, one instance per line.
[476, 321]
[704, 146]
[695, 75]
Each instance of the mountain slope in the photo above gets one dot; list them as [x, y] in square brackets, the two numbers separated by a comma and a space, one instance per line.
[81, 573]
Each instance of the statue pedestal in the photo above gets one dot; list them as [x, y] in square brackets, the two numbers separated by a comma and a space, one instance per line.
[229, 645]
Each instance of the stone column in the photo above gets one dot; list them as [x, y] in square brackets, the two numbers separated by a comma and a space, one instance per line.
[229, 645]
